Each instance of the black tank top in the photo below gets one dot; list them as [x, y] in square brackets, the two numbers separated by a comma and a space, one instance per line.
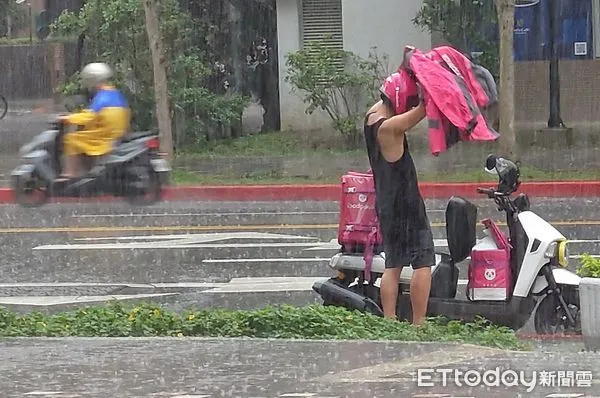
[396, 183]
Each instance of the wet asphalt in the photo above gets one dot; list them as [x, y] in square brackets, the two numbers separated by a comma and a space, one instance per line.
[234, 255]
[211, 242]
[190, 367]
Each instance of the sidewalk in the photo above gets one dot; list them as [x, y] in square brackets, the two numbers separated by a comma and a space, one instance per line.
[243, 367]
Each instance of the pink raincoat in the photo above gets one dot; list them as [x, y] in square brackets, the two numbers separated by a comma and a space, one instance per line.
[454, 92]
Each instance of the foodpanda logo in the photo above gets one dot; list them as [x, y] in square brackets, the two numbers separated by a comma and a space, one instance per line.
[362, 198]
[360, 206]
[490, 274]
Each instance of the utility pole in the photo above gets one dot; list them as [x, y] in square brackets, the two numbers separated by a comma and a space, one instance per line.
[506, 24]
[161, 90]
[555, 120]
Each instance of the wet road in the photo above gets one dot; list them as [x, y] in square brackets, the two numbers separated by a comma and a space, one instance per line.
[237, 255]
[190, 367]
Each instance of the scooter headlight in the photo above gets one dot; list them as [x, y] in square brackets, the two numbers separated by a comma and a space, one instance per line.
[562, 254]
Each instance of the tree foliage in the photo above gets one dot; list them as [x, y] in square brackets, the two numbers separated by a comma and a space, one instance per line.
[468, 25]
[17, 13]
[200, 99]
[342, 89]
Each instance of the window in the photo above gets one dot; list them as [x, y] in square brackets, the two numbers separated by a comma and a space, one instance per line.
[321, 19]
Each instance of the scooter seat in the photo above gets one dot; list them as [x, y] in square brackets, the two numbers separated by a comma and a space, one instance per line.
[136, 135]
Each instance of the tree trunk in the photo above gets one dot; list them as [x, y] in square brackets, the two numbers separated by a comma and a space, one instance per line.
[506, 21]
[161, 91]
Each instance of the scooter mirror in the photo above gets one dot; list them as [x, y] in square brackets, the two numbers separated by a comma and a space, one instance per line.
[490, 161]
[491, 171]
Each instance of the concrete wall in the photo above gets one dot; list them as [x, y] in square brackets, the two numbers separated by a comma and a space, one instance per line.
[579, 95]
[289, 39]
[387, 26]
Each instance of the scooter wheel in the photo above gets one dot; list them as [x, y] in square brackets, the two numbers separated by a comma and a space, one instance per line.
[30, 192]
[550, 317]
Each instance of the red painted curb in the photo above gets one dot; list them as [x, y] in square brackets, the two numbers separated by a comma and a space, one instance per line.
[331, 192]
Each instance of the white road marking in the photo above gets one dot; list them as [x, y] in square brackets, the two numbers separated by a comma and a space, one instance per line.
[191, 396]
[266, 260]
[282, 213]
[70, 284]
[431, 396]
[331, 245]
[186, 285]
[187, 241]
[249, 284]
[279, 213]
[264, 285]
[385, 372]
[46, 301]
[564, 395]
[43, 393]
[155, 245]
[215, 240]
[206, 237]
[334, 245]
[234, 286]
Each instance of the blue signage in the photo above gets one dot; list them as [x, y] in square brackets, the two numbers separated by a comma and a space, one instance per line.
[531, 30]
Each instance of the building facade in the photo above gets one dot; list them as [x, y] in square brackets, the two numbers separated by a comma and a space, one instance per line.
[358, 26]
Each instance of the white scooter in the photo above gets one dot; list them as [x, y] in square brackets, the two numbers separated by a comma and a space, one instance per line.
[538, 258]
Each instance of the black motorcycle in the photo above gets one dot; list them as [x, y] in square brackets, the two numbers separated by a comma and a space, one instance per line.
[134, 170]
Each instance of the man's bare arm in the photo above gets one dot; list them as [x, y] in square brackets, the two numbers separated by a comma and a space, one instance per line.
[400, 124]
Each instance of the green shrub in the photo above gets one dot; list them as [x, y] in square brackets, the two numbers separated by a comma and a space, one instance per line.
[338, 82]
[590, 267]
[311, 322]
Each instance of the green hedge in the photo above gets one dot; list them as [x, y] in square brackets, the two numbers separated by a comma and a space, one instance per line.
[312, 322]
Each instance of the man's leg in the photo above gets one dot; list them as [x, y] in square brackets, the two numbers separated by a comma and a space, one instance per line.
[420, 286]
[388, 290]
[71, 153]
[72, 166]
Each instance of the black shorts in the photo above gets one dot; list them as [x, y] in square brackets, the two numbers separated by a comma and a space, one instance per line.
[414, 246]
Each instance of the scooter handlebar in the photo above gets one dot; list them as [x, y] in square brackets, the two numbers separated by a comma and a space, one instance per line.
[490, 192]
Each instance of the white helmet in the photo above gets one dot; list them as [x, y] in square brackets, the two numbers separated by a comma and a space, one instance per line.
[96, 73]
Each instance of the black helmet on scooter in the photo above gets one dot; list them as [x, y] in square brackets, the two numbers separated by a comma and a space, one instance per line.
[507, 172]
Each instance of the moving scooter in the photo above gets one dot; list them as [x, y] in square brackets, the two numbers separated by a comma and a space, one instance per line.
[509, 278]
[134, 169]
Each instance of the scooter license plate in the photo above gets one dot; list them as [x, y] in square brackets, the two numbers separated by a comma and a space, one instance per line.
[160, 165]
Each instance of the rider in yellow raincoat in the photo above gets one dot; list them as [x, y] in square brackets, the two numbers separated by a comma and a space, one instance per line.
[105, 120]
